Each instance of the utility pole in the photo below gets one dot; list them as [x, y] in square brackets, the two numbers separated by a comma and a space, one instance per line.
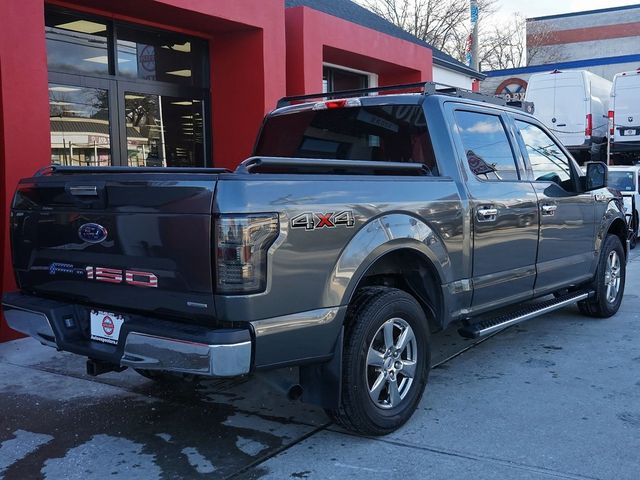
[472, 42]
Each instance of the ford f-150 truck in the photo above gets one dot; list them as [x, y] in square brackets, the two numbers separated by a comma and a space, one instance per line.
[361, 225]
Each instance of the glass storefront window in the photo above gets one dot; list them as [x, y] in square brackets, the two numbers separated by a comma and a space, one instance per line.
[76, 45]
[98, 69]
[336, 79]
[80, 130]
[163, 131]
[159, 56]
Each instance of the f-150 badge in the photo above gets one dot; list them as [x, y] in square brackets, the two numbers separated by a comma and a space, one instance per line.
[317, 221]
[109, 275]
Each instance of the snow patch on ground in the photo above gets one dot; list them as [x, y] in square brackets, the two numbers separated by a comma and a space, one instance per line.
[20, 446]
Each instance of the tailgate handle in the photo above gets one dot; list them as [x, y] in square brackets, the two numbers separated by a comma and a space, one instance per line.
[84, 190]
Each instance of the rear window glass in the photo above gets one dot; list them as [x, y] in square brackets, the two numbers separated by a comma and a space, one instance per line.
[390, 133]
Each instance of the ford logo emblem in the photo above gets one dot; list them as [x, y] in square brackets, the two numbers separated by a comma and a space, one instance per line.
[92, 233]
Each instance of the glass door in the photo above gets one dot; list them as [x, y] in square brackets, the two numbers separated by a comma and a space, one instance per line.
[83, 119]
[162, 127]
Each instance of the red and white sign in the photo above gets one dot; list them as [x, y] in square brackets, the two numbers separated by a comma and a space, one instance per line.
[105, 326]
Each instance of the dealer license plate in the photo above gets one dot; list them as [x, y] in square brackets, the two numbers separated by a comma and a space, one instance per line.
[105, 326]
[629, 132]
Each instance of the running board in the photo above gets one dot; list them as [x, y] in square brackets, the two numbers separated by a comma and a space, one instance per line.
[491, 325]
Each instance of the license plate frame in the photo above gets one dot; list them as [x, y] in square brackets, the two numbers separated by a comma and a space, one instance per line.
[105, 326]
[629, 132]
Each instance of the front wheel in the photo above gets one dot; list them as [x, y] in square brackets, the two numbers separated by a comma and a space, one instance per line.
[386, 361]
[609, 282]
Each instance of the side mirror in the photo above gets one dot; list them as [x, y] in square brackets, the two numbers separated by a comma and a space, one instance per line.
[597, 175]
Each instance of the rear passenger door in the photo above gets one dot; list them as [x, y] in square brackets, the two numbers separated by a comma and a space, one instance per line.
[503, 208]
[566, 254]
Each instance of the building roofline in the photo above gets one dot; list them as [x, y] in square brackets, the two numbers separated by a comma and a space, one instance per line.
[362, 16]
[458, 68]
[585, 12]
[591, 62]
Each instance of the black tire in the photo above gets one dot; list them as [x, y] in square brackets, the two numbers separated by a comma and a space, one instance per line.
[371, 309]
[601, 306]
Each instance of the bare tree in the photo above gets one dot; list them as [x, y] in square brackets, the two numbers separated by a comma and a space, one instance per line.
[539, 49]
[444, 24]
[517, 43]
[503, 45]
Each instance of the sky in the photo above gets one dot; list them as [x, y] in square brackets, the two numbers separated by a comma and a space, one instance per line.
[538, 8]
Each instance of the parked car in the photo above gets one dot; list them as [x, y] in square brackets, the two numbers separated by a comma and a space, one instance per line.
[625, 179]
[360, 226]
[624, 118]
[573, 104]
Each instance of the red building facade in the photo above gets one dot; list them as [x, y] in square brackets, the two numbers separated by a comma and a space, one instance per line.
[251, 53]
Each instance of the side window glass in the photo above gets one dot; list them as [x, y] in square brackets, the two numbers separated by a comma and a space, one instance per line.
[486, 146]
[548, 162]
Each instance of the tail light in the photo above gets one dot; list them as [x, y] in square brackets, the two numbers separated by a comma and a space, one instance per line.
[341, 103]
[611, 123]
[242, 242]
[589, 130]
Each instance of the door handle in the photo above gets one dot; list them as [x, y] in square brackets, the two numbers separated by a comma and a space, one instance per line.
[84, 190]
[549, 210]
[487, 214]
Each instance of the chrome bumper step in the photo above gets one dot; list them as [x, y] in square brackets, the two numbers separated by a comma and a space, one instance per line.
[491, 325]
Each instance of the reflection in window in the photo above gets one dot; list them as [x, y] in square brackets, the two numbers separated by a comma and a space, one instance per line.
[622, 180]
[547, 160]
[486, 146]
[159, 56]
[80, 133]
[76, 45]
[163, 131]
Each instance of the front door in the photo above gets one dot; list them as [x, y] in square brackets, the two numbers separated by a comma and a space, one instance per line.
[504, 211]
[566, 254]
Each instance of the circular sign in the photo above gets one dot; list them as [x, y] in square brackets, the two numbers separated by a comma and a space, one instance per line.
[147, 58]
[107, 325]
[512, 89]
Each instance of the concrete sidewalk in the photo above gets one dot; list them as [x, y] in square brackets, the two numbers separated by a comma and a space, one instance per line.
[556, 397]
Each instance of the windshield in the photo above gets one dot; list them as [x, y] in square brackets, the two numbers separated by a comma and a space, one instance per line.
[622, 180]
[388, 133]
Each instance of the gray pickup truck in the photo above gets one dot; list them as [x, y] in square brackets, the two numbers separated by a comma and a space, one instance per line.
[361, 225]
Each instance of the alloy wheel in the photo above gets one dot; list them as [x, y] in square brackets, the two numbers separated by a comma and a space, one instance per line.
[391, 363]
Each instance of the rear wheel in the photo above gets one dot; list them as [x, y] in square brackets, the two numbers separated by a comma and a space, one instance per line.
[386, 360]
[609, 282]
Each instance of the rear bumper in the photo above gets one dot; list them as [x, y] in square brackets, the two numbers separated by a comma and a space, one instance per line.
[146, 343]
[625, 147]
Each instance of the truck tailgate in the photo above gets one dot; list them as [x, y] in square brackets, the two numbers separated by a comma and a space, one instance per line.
[133, 241]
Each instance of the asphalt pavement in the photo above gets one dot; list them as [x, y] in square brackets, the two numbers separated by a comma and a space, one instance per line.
[557, 397]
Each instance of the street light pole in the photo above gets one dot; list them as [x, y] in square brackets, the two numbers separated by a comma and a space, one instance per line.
[474, 60]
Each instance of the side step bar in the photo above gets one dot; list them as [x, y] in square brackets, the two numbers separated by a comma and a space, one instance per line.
[491, 325]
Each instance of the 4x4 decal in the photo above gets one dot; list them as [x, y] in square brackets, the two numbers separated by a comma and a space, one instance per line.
[316, 221]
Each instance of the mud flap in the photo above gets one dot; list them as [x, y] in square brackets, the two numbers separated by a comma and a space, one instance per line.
[322, 382]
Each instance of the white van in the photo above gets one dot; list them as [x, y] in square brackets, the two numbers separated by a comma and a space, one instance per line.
[624, 117]
[573, 104]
